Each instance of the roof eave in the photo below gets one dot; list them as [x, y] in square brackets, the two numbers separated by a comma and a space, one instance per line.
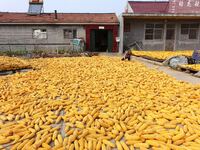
[161, 15]
[18, 23]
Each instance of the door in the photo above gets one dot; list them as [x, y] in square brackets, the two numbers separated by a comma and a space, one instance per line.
[92, 40]
[110, 40]
[101, 40]
[170, 37]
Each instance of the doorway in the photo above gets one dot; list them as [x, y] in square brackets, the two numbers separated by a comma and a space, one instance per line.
[101, 40]
[170, 37]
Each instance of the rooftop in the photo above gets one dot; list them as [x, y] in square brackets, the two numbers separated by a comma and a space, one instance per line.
[62, 18]
[165, 7]
[149, 6]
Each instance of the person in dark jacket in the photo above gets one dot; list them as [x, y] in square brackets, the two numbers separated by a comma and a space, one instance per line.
[127, 56]
[196, 56]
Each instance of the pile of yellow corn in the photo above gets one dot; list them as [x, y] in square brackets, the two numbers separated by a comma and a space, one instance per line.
[12, 63]
[162, 55]
[97, 103]
[195, 67]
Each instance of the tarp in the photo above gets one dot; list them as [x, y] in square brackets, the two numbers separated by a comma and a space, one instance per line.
[175, 61]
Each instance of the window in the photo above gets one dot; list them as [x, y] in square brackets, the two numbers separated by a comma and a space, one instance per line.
[154, 31]
[190, 31]
[193, 34]
[39, 33]
[127, 27]
[70, 33]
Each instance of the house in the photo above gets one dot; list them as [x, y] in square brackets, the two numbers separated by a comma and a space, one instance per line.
[161, 25]
[38, 30]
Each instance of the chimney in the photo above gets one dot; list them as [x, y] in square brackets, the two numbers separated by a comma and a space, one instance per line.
[56, 14]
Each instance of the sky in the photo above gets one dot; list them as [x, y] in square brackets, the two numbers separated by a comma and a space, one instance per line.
[72, 6]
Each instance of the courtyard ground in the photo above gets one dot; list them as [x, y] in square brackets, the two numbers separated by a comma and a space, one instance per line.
[97, 103]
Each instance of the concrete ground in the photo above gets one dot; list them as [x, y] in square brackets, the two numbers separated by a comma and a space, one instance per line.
[182, 76]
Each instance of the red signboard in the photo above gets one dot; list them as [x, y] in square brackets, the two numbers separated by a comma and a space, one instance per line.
[184, 6]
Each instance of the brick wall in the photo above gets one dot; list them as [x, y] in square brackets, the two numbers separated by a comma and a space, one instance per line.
[19, 37]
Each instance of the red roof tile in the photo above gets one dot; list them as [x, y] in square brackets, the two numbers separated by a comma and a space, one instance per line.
[65, 18]
[149, 7]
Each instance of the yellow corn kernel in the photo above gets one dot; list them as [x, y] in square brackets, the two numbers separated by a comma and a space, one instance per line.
[192, 137]
[106, 142]
[123, 144]
[119, 146]
[141, 145]
[153, 143]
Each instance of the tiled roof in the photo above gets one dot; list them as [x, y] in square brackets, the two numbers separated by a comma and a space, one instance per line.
[65, 18]
[149, 7]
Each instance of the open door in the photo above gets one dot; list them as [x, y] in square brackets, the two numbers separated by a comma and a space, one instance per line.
[101, 40]
[170, 37]
[92, 40]
[110, 40]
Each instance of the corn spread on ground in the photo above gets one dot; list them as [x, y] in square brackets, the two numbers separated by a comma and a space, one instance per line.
[162, 55]
[12, 63]
[195, 67]
[97, 103]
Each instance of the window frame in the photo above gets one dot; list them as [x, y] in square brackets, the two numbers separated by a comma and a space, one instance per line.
[189, 30]
[33, 36]
[152, 26]
[72, 30]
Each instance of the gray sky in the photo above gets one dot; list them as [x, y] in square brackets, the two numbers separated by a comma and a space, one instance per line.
[66, 5]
